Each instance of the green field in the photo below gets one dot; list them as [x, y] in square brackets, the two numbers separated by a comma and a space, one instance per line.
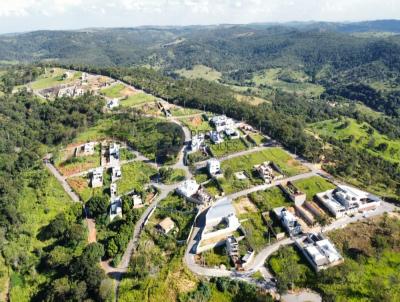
[287, 80]
[314, 185]
[216, 257]
[270, 199]
[82, 188]
[51, 79]
[134, 176]
[114, 91]
[96, 133]
[228, 147]
[179, 111]
[258, 138]
[200, 72]
[197, 124]
[37, 212]
[246, 162]
[359, 135]
[137, 99]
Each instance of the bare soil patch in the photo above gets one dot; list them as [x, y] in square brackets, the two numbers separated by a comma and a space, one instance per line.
[244, 205]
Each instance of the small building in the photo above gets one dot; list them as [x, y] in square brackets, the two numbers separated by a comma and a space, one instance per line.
[113, 153]
[115, 208]
[88, 148]
[137, 200]
[221, 122]
[188, 188]
[319, 251]
[232, 248]
[232, 133]
[213, 166]
[294, 194]
[113, 103]
[196, 142]
[96, 177]
[113, 189]
[166, 225]
[288, 221]
[347, 200]
[116, 173]
[216, 137]
[267, 172]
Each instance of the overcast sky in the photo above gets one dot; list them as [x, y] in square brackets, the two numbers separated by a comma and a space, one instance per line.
[26, 15]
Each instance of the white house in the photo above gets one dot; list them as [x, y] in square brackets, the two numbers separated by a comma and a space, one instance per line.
[216, 138]
[188, 188]
[96, 179]
[221, 122]
[113, 103]
[166, 225]
[115, 208]
[113, 153]
[113, 190]
[288, 221]
[88, 148]
[137, 200]
[232, 133]
[348, 200]
[116, 173]
[213, 166]
[197, 141]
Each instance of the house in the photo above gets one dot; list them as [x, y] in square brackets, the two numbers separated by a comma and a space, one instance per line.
[213, 166]
[197, 142]
[232, 133]
[294, 194]
[88, 148]
[113, 189]
[201, 197]
[96, 177]
[113, 153]
[166, 225]
[137, 200]
[232, 248]
[216, 138]
[319, 251]
[188, 188]
[347, 200]
[267, 172]
[113, 103]
[221, 122]
[116, 173]
[288, 221]
[115, 208]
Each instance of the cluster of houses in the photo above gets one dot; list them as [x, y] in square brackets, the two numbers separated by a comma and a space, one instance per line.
[193, 192]
[224, 127]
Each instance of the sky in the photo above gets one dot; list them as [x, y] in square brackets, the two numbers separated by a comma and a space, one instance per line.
[28, 15]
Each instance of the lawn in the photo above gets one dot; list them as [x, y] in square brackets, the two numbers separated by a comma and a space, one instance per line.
[314, 185]
[277, 155]
[37, 213]
[137, 99]
[114, 91]
[49, 79]
[134, 176]
[258, 138]
[228, 147]
[96, 133]
[200, 72]
[270, 199]
[359, 135]
[196, 124]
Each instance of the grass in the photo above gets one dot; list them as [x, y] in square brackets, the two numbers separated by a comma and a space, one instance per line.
[200, 72]
[258, 138]
[78, 164]
[38, 209]
[82, 188]
[134, 176]
[287, 80]
[99, 132]
[228, 147]
[49, 79]
[177, 175]
[196, 124]
[249, 99]
[114, 91]
[256, 230]
[246, 162]
[179, 111]
[314, 185]
[137, 99]
[359, 136]
[270, 199]
[216, 257]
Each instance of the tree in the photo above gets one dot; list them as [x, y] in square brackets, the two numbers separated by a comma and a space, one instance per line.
[98, 205]
[228, 173]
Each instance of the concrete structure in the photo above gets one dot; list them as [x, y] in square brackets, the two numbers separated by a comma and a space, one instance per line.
[116, 173]
[113, 153]
[213, 166]
[115, 208]
[232, 133]
[87, 149]
[166, 225]
[232, 248]
[221, 123]
[96, 177]
[294, 194]
[267, 172]
[137, 200]
[113, 190]
[216, 138]
[319, 251]
[347, 200]
[288, 221]
[246, 259]
[113, 103]
[188, 188]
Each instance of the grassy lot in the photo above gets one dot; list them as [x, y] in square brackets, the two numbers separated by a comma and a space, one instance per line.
[361, 136]
[270, 199]
[99, 132]
[176, 176]
[216, 257]
[255, 229]
[82, 188]
[287, 80]
[235, 185]
[49, 79]
[137, 99]
[125, 154]
[258, 138]
[314, 185]
[134, 176]
[246, 162]
[38, 209]
[179, 111]
[252, 100]
[228, 147]
[79, 164]
[200, 72]
[196, 124]
[212, 188]
[114, 91]
[197, 156]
